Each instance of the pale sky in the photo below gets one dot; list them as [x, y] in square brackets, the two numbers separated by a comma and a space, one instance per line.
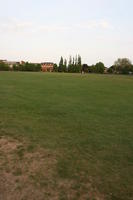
[44, 30]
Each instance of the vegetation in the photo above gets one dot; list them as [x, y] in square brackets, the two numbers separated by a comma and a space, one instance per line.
[4, 67]
[98, 68]
[55, 68]
[121, 66]
[74, 65]
[31, 67]
[85, 120]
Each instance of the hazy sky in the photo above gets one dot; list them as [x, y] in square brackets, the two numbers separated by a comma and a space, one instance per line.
[43, 30]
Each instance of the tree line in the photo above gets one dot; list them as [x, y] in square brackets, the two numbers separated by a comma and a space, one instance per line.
[121, 66]
[74, 65]
[31, 67]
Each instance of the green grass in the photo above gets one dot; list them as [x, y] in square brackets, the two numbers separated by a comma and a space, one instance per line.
[88, 119]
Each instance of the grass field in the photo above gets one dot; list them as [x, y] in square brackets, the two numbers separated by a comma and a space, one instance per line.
[85, 122]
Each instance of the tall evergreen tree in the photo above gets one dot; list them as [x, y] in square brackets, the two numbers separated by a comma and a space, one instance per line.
[76, 60]
[70, 64]
[79, 60]
[74, 64]
[79, 63]
[60, 69]
[73, 61]
[65, 66]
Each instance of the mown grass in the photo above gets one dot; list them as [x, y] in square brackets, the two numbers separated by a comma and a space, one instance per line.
[88, 119]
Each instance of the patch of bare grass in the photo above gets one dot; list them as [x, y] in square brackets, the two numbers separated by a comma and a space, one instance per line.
[30, 173]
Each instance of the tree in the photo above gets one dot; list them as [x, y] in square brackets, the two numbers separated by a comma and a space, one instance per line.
[55, 68]
[132, 68]
[31, 67]
[79, 64]
[76, 60]
[16, 67]
[91, 69]
[60, 69]
[99, 68]
[4, 66]
[111, 69]
[123, 65]
[37, 67]
[79, 60]
[73, 61]
[65, 66]
[84, 68]
[70, 64]
[74, 64]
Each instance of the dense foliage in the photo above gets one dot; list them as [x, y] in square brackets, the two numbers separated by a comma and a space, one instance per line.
[121, 66]
[74, 65]
[27, 67]
[4, 67]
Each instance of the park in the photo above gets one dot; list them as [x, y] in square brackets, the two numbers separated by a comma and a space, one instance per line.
[66, 136]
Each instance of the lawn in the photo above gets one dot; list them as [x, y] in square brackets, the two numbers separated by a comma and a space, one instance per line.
[84, 121]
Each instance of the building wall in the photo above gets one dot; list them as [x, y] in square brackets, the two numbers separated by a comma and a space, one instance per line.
[11, 63]
[47, 67]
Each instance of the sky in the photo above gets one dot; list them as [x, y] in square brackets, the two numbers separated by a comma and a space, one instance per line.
[45, 30]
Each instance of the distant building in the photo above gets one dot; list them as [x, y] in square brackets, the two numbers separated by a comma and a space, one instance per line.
[47, 66]
[22, 62]
[10, 63]
[3, 60]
